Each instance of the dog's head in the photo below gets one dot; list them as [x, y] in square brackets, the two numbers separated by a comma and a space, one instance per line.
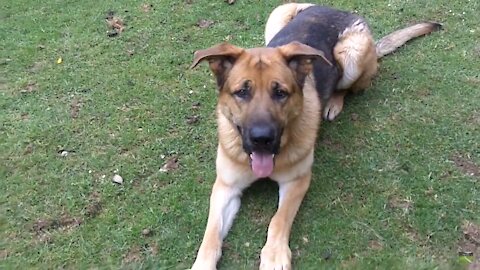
[260, 93]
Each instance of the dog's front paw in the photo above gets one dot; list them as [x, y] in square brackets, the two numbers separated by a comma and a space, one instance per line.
[276, 257]
[333, 107]
[203, 265]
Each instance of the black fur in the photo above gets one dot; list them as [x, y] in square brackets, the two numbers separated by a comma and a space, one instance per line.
[318, 27]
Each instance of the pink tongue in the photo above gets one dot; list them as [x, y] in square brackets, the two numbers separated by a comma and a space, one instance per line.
[262, 164]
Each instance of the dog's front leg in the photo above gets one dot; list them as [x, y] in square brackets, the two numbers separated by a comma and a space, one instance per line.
[276, 253]
[224, 205]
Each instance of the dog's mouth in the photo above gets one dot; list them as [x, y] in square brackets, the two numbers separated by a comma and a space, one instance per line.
[262, 164]
[261, 157]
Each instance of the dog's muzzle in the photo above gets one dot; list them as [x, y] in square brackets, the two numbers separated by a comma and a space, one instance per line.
[261, 140]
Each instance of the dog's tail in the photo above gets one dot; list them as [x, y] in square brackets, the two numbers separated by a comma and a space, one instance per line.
[280, 17]
[392, 41]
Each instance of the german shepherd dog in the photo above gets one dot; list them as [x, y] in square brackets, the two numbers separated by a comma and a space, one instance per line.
[270, 107]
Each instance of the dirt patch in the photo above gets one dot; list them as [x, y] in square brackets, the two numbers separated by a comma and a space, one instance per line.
[375, 245]
[334, 146]
[204, 23]
[466, 165]
[133, 255]
[151, 249]
[469, 245]
[63, 223]
[354, 117]
[29, 88]
[406, 205]
[471, 232]
[37, 66]
[147, 7]
[171, 164]
[3, 254]
[475, 118]
[473, 80]
[75, 108]
[29, 149]
[94, 206]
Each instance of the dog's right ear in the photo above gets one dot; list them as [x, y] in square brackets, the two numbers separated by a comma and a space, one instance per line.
[220, 57]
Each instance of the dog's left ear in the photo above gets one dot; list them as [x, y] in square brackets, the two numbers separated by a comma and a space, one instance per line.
[300, 59]
[221, 59]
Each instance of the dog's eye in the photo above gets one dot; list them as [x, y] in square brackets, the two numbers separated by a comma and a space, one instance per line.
[243, 93]
[279, 94]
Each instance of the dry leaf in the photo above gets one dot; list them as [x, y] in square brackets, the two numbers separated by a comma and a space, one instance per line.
[230, 2]
[115, 23]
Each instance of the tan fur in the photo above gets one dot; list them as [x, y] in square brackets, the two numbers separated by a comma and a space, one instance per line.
[356, 52]
[299, 115]
[393, 41]
[280, 16]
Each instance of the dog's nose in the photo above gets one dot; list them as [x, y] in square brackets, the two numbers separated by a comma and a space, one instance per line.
[262, 135]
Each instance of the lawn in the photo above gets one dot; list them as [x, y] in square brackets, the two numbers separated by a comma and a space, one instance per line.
[396, 179]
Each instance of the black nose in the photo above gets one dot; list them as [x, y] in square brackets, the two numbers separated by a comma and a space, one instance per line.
[262, 135]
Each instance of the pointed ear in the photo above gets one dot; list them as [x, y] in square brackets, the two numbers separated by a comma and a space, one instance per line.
[220, 57]
[300, 59]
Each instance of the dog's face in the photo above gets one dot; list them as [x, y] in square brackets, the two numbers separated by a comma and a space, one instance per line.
[260, 93]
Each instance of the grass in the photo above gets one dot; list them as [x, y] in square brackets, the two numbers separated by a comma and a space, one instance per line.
[394, 179]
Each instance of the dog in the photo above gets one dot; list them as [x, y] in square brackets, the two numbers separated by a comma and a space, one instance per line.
[270, 103]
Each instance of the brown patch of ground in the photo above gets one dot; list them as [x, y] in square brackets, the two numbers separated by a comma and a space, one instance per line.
[170, 165]
[147, 7]
[475, 118]
[466, 165]
[43, 227]
[94, 206]
[404, 204]
[152, 249]
[474, 81]
[334, 146]
[37, 66]
[375, 245]
[29, 149]
[204, 23]
[469, 245]
[29, 88]
[75, 108]
[133, 255]
[3, 254]
[471, 231]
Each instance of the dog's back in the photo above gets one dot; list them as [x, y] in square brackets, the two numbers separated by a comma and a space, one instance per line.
[318, 27]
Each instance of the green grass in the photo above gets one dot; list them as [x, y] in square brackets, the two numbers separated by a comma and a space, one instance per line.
[389, 188]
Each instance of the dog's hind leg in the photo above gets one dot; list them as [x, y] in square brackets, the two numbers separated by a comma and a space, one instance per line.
[280, 16]
[356, 54]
